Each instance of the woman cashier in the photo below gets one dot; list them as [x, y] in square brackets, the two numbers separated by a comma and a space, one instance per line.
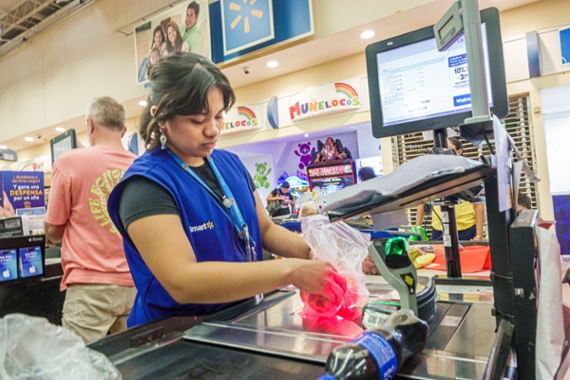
[193, 227]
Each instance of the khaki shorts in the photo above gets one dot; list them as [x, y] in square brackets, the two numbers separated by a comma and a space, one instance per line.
[93, 310]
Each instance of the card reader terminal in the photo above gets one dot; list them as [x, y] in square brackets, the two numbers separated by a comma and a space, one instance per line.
[392, 260]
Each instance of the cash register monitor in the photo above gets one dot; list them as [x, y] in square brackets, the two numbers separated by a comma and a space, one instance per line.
[415, 87]
[63, 143]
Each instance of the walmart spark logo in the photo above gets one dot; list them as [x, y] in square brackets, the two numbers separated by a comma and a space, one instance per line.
[254, 12]
[246, 23]
[209, 225]
[246, 118]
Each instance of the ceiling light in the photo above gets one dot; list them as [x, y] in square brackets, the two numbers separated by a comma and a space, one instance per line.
[142, 103]
[367, 34]
[3, 147]
[306, 135]
[272, 64]
[60, 129]
[29, 139]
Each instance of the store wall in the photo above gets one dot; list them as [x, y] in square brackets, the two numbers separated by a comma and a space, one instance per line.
[66, 59]
[49, 79]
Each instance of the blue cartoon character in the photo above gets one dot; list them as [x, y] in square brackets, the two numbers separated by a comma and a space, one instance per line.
[305, 154]
[260, 177]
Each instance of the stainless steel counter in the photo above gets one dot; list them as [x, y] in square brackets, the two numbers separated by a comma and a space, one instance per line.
[271, 340]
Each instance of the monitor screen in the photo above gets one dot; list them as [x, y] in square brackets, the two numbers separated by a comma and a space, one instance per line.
[415, 87]
[62, 143]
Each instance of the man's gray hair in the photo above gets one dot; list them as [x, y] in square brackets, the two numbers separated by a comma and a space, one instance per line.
[107, 112]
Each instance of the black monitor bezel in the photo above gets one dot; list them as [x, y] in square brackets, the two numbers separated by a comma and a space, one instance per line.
[65, 135]
[490, 17]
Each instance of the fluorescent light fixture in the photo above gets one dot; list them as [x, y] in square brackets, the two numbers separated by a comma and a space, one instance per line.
[60, 129]
[142, 103]
[272, 64]
[29, 139]
[367, 34]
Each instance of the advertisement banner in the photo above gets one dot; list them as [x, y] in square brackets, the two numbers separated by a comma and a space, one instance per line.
[185, 27]
[22, 193]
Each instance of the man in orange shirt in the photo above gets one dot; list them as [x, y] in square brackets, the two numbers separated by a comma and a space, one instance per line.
[99, 288]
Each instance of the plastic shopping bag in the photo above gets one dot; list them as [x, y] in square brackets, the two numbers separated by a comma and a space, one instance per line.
[33, 349]
[345, 247]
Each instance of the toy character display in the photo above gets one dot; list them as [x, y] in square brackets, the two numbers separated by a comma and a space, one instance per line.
[331, 150]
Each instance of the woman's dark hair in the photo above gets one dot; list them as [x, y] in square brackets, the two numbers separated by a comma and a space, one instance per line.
[179, 85]
[365, 173]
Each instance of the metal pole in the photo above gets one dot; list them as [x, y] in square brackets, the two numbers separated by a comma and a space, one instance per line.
[475, 61]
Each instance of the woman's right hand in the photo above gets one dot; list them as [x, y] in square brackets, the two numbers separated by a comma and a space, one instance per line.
[317, 277]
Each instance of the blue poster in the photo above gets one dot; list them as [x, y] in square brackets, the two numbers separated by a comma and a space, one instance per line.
[31, 262]
[22, 190]
[8, 265]
[239, 27]
[246, 23]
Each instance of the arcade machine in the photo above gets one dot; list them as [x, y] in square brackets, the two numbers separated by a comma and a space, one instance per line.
[470, 337]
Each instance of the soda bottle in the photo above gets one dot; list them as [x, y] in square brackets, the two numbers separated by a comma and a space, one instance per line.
[379, 353]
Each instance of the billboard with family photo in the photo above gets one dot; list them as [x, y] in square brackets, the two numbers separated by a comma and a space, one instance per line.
[185, 27]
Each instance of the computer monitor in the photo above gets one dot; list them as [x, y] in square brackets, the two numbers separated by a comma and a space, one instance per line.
[63, 143]
[415, 87]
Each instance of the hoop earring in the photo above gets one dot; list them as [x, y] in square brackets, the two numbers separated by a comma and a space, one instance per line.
[162, 139]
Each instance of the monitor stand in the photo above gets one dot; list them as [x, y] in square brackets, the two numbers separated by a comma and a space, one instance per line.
[450, 235]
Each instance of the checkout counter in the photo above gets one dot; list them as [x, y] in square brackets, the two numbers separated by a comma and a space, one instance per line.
[272, 340]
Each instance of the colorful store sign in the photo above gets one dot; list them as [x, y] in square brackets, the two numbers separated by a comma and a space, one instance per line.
[243, 118]
[326, 99]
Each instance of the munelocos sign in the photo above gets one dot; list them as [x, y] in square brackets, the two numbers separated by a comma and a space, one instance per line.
[242, 118]
[325, 99]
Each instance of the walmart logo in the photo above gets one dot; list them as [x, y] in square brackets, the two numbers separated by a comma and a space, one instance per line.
[246, 23]
[209, 225]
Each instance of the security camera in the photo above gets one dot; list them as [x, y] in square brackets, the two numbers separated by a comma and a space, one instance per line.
[246, 70]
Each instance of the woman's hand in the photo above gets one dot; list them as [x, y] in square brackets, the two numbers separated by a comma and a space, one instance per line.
[317, 277]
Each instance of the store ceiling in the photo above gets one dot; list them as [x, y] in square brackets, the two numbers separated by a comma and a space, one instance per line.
[291, 59]
[20, 20]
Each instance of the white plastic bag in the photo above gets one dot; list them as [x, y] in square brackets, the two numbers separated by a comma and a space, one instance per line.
[33, 349]
[343, 246]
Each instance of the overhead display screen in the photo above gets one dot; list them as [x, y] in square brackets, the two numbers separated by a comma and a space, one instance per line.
[414, 87]
[417, 81]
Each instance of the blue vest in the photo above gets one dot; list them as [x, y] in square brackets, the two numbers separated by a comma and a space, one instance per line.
[209, 228]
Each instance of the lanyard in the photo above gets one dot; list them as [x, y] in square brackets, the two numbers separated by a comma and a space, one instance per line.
[227, 200]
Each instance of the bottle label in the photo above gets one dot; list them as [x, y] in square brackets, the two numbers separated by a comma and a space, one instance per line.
[382, 351]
